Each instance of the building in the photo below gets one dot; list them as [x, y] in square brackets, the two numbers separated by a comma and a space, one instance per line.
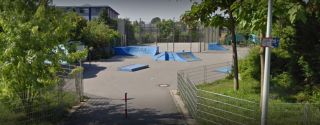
[89, 9]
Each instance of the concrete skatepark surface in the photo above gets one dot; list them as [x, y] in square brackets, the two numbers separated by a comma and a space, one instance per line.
[148, 103]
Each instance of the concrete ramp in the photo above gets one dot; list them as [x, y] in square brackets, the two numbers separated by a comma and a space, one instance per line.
[133, 67]
[161, 57]
[176, 56]
[185, 57]
[215, 46]
[137, 50]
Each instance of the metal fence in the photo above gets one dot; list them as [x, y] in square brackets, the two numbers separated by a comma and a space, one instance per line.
[196, 40]
[209, 107]
[45, 106]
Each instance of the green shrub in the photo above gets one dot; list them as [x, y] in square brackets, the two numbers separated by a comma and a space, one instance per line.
[249, 67]
[284, 80]
[315, 97]
[99, 36]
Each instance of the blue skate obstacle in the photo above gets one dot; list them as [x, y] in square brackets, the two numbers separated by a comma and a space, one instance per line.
[216, 46]
[153, 51]
[133, 67]
[225, 70]
[176, 56]
[137, 50]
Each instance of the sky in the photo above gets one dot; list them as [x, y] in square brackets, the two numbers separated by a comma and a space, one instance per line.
[144, 9]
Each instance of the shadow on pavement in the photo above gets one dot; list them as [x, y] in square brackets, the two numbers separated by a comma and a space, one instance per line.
[91, 70]
[101, 111]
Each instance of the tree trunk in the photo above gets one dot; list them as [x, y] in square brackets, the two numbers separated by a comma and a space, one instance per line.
[262, 51]
[235, 60]
[234, 48]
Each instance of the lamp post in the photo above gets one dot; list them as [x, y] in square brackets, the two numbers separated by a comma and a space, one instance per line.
[266, 76]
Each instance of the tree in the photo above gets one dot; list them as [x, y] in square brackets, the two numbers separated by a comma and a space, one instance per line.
[79, 23]
[130, 30]
[217, 13]
[104, 17]
[166, 28]
[99, 36]
[32, 34]
[252, 17]
[296, 62]
[155, 20]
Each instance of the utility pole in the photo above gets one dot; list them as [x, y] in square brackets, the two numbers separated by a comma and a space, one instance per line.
[266, 78]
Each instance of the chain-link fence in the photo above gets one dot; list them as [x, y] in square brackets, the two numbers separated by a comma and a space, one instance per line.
[176, 36]
[45, 106]
[209, 107]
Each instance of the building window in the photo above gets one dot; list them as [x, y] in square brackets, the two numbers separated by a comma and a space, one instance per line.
[84, 10]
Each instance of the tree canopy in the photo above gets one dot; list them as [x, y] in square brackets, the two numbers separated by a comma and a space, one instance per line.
[32, 33]
[216, 13]
[155, 20]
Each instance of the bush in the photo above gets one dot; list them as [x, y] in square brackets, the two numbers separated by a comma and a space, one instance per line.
[99, 36]
[249, 67]
[284, 80]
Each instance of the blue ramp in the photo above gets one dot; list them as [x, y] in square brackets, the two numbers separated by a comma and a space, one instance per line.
[225, 70]
[176, 56]
[185, 57]
[137, 50]
[133, 67]
[215, 46]
[161, 57]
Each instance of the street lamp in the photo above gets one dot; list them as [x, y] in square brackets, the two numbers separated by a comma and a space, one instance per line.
[266, 76]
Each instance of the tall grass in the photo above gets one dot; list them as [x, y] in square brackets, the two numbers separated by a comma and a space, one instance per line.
[48, 109]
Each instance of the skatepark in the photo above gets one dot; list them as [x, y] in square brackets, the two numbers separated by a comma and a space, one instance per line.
[149, 100]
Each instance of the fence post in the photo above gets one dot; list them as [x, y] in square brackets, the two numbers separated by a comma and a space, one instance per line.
[81, 83]
[204, 74]
[60, 90]
[305, 114]
[126, 104]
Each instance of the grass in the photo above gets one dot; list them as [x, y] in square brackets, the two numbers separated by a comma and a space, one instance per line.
[48, 110]
[216, 103]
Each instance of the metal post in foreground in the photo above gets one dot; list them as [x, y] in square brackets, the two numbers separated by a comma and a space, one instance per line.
[126, 105]
[189, 38]
[266, 76]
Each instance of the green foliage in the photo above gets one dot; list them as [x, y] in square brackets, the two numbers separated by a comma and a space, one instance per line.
[252, 17]
[280, 111]
[166, 28]
[283, 80]
[248, 90]
[249, 67]
[297, 59]
[79, 23]
[217, 13]
[315, 97]
[32, 33]
[155, 20]
[129, 31]
[99, 36]
[28, 40]
[16, 116]
[104, 18]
